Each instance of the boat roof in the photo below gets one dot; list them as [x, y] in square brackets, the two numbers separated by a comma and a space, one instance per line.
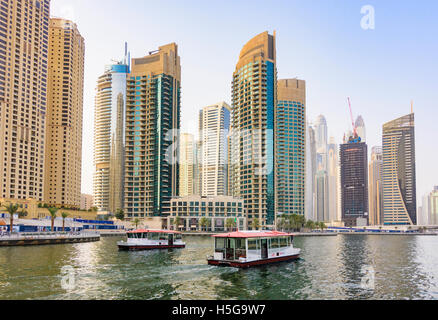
[253, 234]
[154, 231]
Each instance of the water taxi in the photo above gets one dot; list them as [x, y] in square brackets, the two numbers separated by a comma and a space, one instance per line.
[244, 249]
[151, 240]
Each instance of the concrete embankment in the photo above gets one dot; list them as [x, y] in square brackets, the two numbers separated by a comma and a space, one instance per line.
[46, 239]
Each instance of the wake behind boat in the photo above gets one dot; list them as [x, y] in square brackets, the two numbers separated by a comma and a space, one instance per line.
[151, 239]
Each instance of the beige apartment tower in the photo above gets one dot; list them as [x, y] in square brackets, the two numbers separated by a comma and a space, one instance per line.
[187, 165]
[375, 187]
[63, 158]
[24, 43]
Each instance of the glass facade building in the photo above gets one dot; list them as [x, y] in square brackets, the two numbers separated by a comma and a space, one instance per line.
[290, 147]
[254, 95]
[109, 138]
[152, 133]
[398, 172]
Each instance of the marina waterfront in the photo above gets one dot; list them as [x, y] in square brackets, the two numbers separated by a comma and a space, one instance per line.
[403, 267]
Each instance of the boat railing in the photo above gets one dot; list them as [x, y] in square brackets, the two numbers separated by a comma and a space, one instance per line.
[47, 235]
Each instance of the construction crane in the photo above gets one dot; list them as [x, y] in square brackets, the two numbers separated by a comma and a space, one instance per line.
[356, 137]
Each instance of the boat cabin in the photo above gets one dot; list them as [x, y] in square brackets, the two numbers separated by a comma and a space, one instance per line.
[253, 246]
[152, 239]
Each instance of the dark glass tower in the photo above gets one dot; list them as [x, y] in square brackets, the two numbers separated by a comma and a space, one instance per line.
[354, 181]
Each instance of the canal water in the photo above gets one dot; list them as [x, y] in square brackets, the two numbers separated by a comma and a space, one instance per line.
[403, 267]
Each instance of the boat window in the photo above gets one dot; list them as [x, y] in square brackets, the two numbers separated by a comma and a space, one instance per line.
[241, 244]
[162, 236]
[177, 236]
[153, 236]
[274, 243]
[220, 243]
[129, 236]
[283, 242]
[252, 244]
[144, 235]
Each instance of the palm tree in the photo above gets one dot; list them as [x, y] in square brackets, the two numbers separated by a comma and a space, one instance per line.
[230, 223]
[256, 224]
[136, 222]
[203, 222]
[53, 211]
[64, 215]
[23, 213]
[12, 209]
[177, 222]
[310, 225]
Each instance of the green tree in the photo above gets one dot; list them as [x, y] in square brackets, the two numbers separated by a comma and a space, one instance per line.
[12, 209]
[322, 226]
[22, 213]
[203, 222]
[120, 214]
[177, 222]
[64, 215]
[136, 222]
[310, 225]
[255, 224]
[53, 211]
[230, 223]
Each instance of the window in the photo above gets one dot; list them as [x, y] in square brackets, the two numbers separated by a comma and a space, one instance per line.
[252, 244]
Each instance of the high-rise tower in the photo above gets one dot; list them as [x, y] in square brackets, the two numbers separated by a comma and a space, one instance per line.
[63, 159]
[375, 187]
[254, 95]
[24, 42]
[214, 125]
[187, 165]
[109, 138]
[354, 182]
[398, 174]
[153, 119]
[290, 147]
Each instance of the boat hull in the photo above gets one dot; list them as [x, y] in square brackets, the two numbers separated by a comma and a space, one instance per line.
[244, 265]
[148, 247]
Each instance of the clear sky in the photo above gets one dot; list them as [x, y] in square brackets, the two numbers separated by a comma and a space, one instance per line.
[319, 41]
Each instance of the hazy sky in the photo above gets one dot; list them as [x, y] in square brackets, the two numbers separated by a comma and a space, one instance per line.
[319, 41]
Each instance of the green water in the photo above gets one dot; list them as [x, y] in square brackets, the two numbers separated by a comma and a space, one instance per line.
[406, 267]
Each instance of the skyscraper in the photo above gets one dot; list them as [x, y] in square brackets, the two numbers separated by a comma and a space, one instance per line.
[375, 187]
[398, 173]
[187, 165]
[153, 116]
[24, 39]
[254, 96]
[354, 182]
[63, 158]
[322, 192]
[360, 128]
[321, 137]
[290, 147]
[214, 124]
[432, 213]
[332, 179]
[310, 211]
[109, 138]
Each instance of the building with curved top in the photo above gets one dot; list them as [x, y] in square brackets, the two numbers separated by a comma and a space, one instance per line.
[109, 138]
[254, 99]
[398, 172]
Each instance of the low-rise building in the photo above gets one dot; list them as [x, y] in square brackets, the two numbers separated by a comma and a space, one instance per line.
[196, 213]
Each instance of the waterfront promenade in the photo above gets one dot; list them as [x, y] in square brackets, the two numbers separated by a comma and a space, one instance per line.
[46, 238]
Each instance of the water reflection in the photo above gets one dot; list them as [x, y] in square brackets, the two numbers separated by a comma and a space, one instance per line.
[330, 268]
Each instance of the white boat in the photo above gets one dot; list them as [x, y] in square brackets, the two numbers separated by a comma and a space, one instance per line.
[246, 249]
[144, 239]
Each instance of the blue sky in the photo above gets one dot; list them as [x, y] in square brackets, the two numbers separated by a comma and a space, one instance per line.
[319, 41]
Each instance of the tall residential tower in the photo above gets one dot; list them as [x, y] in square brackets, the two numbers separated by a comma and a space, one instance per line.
[24, 43]
[254, 94]
[109, 138]
[290, 147]
[63, 164]
[214, 125]
[153, 116]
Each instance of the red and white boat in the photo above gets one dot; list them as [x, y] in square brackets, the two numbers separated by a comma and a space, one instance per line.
[246, 249]
[151, 239]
